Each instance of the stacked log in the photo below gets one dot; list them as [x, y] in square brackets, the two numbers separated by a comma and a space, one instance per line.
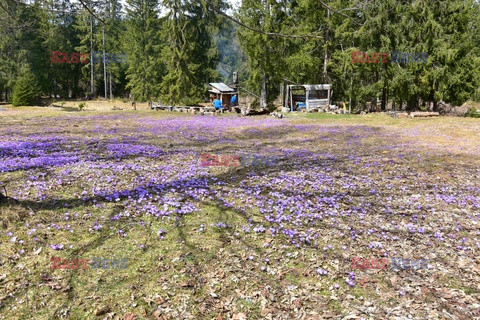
[424, 114]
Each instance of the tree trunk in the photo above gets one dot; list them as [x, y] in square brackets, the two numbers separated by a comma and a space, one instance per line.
[412, 103]
[110, 78]
[282, 92]
[325, 57]
[55, 84]
[384, 96]
[263, 99]
[92, 88]
[351, 94]
[104, 67]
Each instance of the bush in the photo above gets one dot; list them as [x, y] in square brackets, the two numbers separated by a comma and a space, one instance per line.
[26, 91]
[82, 106]
[473, 113]
[271, 107]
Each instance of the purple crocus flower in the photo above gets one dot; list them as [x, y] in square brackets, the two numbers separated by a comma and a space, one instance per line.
[97, 226]
[56, 246]
[322, 272]
[350, 282]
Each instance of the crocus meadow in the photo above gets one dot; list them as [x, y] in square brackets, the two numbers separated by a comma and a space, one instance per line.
[258, 240]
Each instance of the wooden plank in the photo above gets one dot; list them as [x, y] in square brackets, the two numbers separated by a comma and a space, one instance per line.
[424, 114]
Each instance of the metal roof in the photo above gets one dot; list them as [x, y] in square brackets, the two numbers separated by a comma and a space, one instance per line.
[222, 87]
[311, 87]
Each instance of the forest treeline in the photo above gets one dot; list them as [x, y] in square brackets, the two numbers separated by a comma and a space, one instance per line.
[176, 47]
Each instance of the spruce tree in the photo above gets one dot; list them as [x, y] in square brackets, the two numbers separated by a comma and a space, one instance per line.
[26, 91]
[143, 44]
[265, 53]
[189, 54]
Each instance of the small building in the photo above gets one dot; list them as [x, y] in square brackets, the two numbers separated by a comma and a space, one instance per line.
[222, 92]
[308, 96]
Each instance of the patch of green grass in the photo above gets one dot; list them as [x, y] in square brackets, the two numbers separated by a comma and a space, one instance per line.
[336, 306]
[468, 290]
[329, 116]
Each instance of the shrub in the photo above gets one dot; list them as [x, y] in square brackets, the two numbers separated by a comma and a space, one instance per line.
[473, 113]
[271, 107]
[82, 106]
[26, 90]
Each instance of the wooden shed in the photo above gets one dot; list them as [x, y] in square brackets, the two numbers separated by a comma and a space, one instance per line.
[222, 92]
[309, 96]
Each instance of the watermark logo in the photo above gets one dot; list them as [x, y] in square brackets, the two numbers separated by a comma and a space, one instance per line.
[59, 263]
[97, 57]
[360, 263]
[65, 57]
[364, 57]
[97, 263]
[397, 263]
[406, 57]
[397, 57]
[210, 160]
[101, 263]
[405, 264]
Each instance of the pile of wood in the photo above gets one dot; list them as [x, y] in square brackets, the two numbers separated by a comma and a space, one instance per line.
[424, 114]
[247, 111]
[398, 115]
[187, 109]
[419, 114]
[208, 110]
[276, 114]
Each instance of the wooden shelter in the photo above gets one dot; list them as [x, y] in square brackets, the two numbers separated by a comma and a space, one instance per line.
[309, 96]
[222, 92]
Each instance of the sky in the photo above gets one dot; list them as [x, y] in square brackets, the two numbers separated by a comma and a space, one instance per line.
[234, 2]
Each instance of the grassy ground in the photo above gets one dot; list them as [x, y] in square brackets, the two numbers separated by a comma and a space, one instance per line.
[246, 242]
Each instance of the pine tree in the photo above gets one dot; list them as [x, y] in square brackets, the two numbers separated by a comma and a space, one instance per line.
[142, 43]
[8, 29]
[114, 29]
[190, 55]
[26, 91]
[266, 54]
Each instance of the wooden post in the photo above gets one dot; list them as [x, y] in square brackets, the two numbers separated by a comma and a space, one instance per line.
[307, 95]
[291, 98]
